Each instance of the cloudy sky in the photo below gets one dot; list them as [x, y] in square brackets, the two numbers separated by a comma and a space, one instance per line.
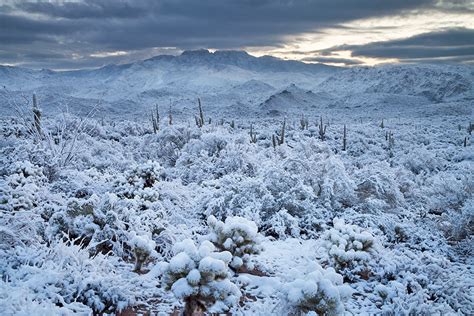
[91, 33]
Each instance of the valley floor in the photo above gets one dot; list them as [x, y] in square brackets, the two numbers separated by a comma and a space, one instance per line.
[383, 227]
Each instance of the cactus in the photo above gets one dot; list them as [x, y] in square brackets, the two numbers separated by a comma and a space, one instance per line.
[304, 122]
[281, 139]
[155, 120]
[322, 130]
[470, 128]
[344, 139]
[232, 124]
[274, 143]
[170, 117]
[201, 113]
[198, 121]
[382, 124]
[391, 141]
[465, 141]
[253, 136]
[36, 115]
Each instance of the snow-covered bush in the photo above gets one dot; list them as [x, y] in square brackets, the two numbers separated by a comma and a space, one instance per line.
[21, 189]
[321, 291]
[200, 277]
[63, 274]
[378, 188]
[237, 235]
[349, 247]
[108, 223]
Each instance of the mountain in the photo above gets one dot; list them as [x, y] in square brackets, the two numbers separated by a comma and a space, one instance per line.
[436, 83]
[221, 77]
[236, 82]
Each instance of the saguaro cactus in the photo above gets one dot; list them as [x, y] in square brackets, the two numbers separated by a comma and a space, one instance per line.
[344, 139]
[304, 122]
[322, 129]
[201, 113]
[170, 117]
[36, 115]
[155, 119]
[253, 135]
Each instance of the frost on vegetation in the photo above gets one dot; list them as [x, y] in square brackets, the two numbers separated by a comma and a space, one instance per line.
[139, 181]
[321, 291]
[350, 248]
[237, 235]
[21, 189]
[200, 276]
[60, 278]
[143, 247]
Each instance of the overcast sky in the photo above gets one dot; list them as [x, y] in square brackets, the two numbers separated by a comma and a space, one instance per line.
[91, 33]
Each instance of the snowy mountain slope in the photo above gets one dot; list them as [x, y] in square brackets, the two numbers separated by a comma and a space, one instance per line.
[294, 99]
[436, 83]
[235, 83]
[163, 78]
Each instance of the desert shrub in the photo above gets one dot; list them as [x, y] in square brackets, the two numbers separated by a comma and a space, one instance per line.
[321, 291]
[448, 190]
[200, 277]
[237, 235]
[458, 225]
[105, 223]
[63, 274]
[378, 187]
[421, 283]
[168, 144]
[21, 189]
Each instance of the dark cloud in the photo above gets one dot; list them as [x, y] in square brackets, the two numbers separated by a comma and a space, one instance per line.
[451, 45]
[84, 27]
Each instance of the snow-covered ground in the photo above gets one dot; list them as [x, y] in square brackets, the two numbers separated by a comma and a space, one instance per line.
[99, 213]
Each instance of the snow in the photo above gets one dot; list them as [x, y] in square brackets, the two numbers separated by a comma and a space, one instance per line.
[133, 217]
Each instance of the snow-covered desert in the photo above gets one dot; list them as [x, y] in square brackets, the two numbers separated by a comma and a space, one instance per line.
[220, 182]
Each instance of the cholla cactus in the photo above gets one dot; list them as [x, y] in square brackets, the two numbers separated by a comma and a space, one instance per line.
[237, 235]
[321, 291]
[349, 247]
[200, 276]
[139, 181]
[143, 247]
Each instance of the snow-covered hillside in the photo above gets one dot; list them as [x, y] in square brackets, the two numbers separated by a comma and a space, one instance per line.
[293, 189]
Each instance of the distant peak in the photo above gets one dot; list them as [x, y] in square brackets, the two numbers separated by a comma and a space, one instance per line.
[239, 53]
[196, 52]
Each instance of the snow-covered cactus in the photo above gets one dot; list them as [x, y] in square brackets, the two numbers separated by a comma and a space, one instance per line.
[139, 180]
[237, 235]
[200, 276]
[321, 291]
[349, 246]
[143, 247]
